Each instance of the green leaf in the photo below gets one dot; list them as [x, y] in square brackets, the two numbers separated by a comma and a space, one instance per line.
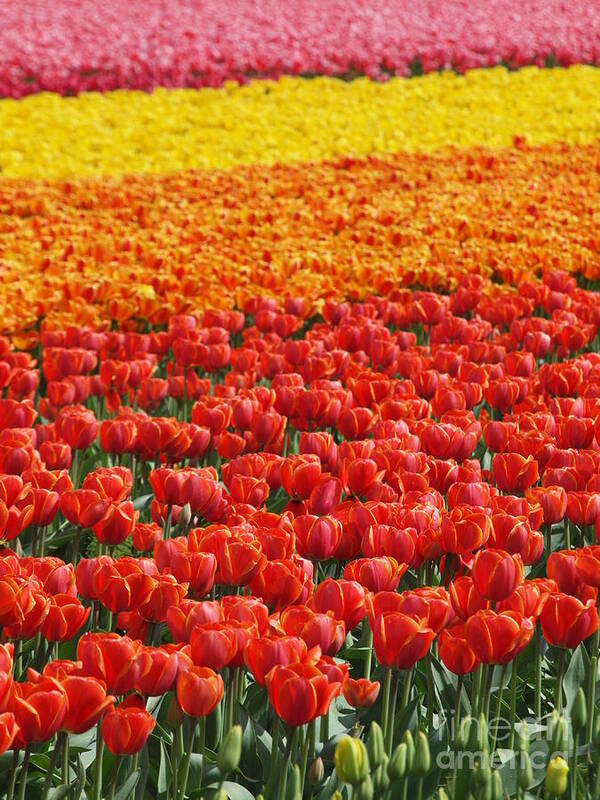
[127, 788]
[142, 501]
[575, 675]
[60, 792]
[79, 783]
[234, 791]
[164, 770]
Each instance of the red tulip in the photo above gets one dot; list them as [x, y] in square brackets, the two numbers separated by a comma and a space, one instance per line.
[39, 708]
[346, 599]
[316, 629]
[497, 638]
[400, 640]
[300, 692]
[87, 702]
[376, 574]
[513, 472]
[566, 621]
[261, 655]
[496, 573]
[317, 537]
[199, 691]
[126, 729]
[360, 693]
[454, 650]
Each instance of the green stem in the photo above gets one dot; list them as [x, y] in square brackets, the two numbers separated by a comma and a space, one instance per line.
[573, 772]
[475, 689]
[56, 753]
[275, 744]
[99, 756]
[65, 759]
[456, 721]
[134, 766]
[389, 736]
[498, 707]
[369, 651]
[591, 699]
[513, 703]
[167, 531]
[429, 692]
[559, 679]
[289, 747]
[230, 699]
[420, 789]
[76, 543]
[190, 749]
[13, 776]
[306, 748]
[114, 776]
[538, 673]
[488, 691]
[175, 760]
[24, 771]
[385, 710]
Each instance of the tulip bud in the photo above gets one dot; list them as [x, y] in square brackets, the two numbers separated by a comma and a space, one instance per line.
[230, 751]
[462, 740]
[497, 791]
[557, 773]
[295, 784]
[422, 761]
[596, 733]
[560, 737]
[174, 714]
[184, 518]
[222, 795]
[481, 777]
[375, 745]
[524, 771]
[316, 772]
[579, 711]
[381, 779]
[397, 766]
[364, 791]
[442, 794]
[410, 749]
[337, 795]
[523, 738]
[478, 734]
[351, 760]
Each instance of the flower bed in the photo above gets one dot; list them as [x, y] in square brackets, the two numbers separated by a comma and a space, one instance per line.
[293, 120]
[230, 541]
[58, 46]
[109, 251]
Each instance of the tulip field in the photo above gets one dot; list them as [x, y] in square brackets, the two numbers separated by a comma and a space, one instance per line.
[299, 400]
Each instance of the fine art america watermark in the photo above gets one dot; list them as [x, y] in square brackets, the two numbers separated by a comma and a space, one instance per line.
[505, 754]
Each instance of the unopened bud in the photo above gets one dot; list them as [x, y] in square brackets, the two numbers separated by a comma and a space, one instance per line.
[375, 745]
[524, 771]
[230, 752]
[185, 517]
[579, 711]
[316, 772]
[351, 760]
[410, 748]
[557, 773]
[497, 790]
[560, 736]
[364, 790]
[523, 738]
[422, 761]
[398, 763]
